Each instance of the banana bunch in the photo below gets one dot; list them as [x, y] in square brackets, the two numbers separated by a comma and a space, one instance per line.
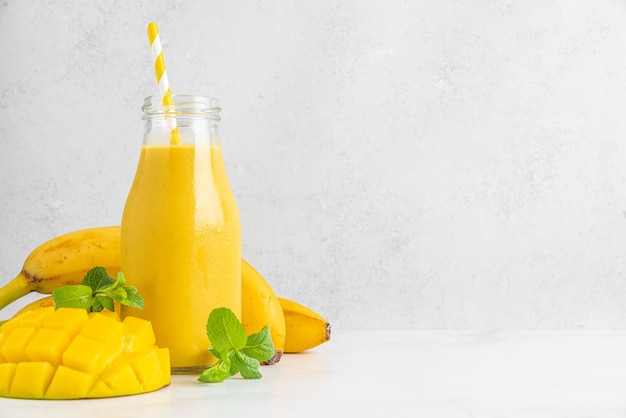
[65, 259]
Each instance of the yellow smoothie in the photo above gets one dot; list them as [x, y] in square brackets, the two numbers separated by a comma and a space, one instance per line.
[181, 246]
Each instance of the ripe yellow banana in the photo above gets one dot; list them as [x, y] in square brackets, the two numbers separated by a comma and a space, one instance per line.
[260, 307]
[65, 259]
[39, 303]
[305, 328]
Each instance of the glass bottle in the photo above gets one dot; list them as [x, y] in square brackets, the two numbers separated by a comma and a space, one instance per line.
[181, 234]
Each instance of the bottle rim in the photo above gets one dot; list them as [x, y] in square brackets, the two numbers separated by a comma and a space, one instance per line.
[183, 105]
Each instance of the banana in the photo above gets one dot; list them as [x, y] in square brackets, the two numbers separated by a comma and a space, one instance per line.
[65, 260]
[305, 328]
[260, 307]
[39, 303]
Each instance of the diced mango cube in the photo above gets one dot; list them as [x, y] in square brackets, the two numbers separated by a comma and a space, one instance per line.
[85, 354]
[147, 367]
[138, 334]
[31, 379]
[104, 329]
[69, 384]
[7, 370]
[13, 349]
[68, 319]
[47, 345]
[122, 379]
[35, 317]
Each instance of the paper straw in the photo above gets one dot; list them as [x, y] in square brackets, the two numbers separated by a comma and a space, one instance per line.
[161, 76]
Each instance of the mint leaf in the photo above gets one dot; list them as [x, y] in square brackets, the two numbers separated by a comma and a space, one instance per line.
[118, 294]
[235, 352]
[73, 296]
[216, 374]
[113, 284]
[126, 295]
[132, 298]
[104, 302]
[97, 278]
[248, 367]
[215, 353]
[225, 331]
[259, 345]
[96, 306]
[233, 369]
[121, 280]
[97, 292]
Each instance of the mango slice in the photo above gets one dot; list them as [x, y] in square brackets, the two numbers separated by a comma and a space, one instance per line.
[69, 354]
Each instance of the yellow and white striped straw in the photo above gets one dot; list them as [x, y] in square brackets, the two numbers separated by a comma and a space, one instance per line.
[161, 76]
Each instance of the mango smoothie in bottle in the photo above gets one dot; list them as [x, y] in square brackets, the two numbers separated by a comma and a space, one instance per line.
[181, 234]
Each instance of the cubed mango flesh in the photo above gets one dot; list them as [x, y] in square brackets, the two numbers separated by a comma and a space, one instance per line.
[67, 354]
[138, 334]
[14, 348]
[86, 355]
[69, 383]
[31, 379]
[121, 375]
[7, 371]
[47, 345]
[68, 320]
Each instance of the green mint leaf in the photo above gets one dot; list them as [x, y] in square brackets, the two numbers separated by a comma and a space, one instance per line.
[216, 353]
[97, 278]
[73, 296]
[117, 283]
[113, 284]
[248, 367]
[97, 292]
[105, 302]
[96, 306]
[225, 331]
[118, 294]
[233, 369]
[132, 298]
[219, 372]
[121, 280]
[259, 345]
[236, 352]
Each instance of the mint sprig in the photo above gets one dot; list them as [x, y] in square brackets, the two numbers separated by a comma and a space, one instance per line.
[97, 292]
[236, 352]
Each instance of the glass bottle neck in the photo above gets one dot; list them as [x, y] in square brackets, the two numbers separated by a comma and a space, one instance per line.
[183, 120]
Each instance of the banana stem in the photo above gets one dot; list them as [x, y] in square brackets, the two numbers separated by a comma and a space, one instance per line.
[14, 290]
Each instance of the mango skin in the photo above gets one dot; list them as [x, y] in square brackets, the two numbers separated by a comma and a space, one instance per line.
[70, 354]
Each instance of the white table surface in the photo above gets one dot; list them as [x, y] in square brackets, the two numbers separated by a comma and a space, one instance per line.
[397, 373]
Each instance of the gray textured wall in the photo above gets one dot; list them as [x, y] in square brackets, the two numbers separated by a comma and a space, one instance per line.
[397, 164]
